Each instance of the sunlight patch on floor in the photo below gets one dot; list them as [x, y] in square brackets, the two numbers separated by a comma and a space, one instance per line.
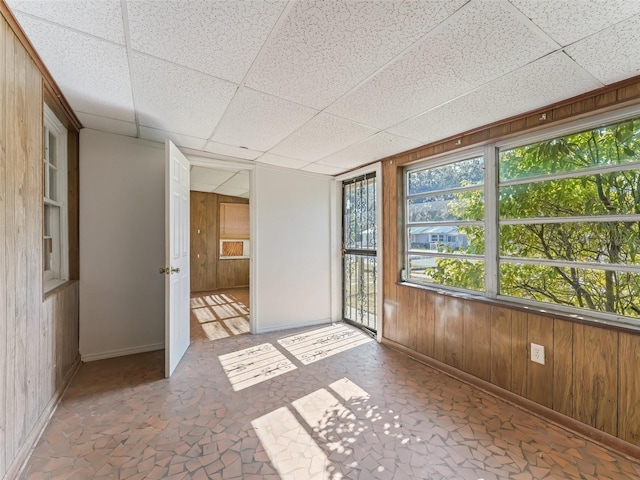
[214, 331]
[348, 390]
[329, 428]
[204, 315]
[254, 365]
[320, 409]
[238, 325]
[309, 347]
[225, 311]
[293, 453]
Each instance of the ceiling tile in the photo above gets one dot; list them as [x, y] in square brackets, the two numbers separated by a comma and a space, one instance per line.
[210, 176]
[324, 169]
[551, 79]
[374, 148]
[619, 45]
[102, 18]
[178, 139]
[279, 161]
[323, 49]
[221, 38]
[259, 121]
[229, 151]
[321, 136]
[479, 43]
[107, 124]
[235, 192]
[239, 180]
[178, 99]
[93, 74]
[568, 22]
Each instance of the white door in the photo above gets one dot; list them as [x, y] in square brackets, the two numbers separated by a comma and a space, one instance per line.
[177, 290]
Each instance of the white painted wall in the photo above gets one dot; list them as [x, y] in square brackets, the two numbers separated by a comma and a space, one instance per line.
[292, 235]
[121, 245]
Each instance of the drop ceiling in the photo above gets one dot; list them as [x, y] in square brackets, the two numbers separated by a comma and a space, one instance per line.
[323, 86]
[224, 181]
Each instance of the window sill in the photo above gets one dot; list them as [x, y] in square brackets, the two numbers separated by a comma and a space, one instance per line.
[530, 308]
[52, 286]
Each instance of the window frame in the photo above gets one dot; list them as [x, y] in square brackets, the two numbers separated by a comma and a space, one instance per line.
[490, 151]
[432, 163]
[54, 277]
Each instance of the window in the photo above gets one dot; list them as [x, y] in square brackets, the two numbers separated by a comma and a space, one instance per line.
[445, 224]
[561, 224]
[55, 243]
[569, 220]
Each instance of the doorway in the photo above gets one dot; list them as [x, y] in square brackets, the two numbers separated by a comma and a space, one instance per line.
[220, 243]
[360, 269]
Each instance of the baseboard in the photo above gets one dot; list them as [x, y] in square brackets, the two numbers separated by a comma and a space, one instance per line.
[121, 352]
[611, 442]
[289, 326]
[19, 463]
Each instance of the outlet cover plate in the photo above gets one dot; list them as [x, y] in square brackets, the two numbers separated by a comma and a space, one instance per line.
[537, 353]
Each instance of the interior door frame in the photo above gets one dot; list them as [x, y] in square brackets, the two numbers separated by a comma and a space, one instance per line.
[336, 244]
[200, 159]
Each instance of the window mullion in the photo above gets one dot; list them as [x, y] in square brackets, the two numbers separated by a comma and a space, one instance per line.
[491, 221]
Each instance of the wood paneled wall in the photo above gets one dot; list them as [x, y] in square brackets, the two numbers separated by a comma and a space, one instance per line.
[208, 272]
[590, 374]
[38, 336]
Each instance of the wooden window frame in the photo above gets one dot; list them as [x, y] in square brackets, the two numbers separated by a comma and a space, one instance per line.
[56, 234]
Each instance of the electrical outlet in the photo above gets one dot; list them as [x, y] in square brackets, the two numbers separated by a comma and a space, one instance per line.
[537, 353]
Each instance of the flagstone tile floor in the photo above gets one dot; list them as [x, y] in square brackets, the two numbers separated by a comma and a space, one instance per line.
[361, 411]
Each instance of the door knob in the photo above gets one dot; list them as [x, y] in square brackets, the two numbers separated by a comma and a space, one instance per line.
[169, 271]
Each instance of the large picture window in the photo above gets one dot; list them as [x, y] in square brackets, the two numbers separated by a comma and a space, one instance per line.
[569, 220]
[55, 244]
[560, 224]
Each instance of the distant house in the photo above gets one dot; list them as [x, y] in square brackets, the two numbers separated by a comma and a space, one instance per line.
[433, 238]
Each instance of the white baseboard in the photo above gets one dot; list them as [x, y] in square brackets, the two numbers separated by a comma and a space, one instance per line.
[20, 461]
[121, 352]
[289, 326]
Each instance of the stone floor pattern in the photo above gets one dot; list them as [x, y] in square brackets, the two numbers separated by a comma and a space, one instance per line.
[360, 411]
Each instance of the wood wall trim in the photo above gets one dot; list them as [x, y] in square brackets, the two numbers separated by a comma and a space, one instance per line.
[48, 80]
[602, 438]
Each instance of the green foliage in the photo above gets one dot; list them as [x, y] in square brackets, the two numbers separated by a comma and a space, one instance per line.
[583, 194]
[446, 177]
[458, 273]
